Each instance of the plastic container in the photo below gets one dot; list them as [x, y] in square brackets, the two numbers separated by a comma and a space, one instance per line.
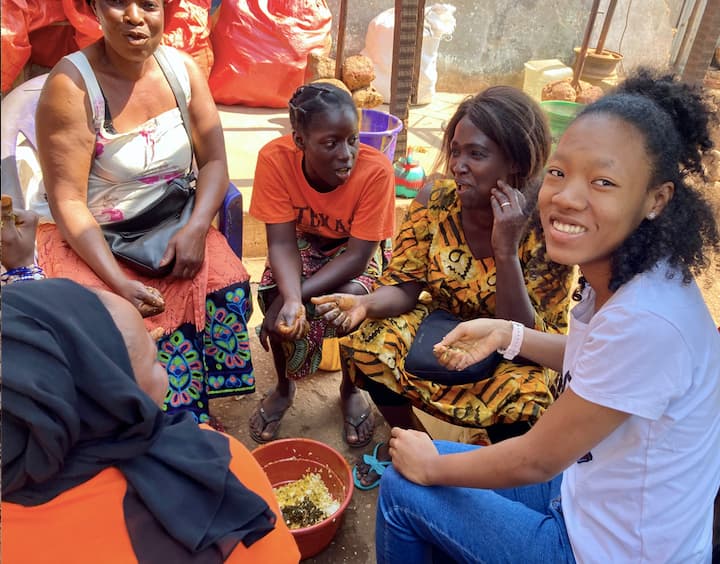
[560, 113]
[600, 69]
[409, 176]
[288, 460]
[539, 73]
[380, 130]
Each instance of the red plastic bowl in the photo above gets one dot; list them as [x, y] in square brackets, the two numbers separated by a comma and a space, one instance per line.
[288, 460]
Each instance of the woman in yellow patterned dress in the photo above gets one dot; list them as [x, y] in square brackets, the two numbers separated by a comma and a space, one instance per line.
[474, 244]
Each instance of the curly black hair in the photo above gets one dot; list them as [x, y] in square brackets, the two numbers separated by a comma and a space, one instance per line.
[316, 98]
[674, 122]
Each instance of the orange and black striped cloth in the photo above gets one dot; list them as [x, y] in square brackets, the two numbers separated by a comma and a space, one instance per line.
[431, 249]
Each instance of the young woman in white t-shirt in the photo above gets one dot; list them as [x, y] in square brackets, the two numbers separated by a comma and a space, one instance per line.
[624, 466]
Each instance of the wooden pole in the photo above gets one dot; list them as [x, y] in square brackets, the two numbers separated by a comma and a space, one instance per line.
[580, 61]
[418, 49]
[606, 26]
[342, 24]
[404, 34]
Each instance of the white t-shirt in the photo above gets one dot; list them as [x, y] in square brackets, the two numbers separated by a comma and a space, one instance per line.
[645, 493]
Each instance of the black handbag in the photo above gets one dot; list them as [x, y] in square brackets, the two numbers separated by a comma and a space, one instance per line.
[141, 241]
[421, 362]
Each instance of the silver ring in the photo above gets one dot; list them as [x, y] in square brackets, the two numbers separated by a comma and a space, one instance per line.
[505, 204]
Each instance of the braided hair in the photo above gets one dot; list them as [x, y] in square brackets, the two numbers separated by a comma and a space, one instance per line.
[312, 99]
[674, 122]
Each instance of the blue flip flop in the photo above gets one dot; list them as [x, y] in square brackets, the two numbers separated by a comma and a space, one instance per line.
[376, 466]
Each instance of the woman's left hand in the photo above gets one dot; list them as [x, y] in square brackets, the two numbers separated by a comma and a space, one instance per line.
[508, 206]
[187, 247]
[413, 454]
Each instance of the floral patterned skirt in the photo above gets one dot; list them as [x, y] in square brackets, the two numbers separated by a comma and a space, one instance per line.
[205, 348]
[304, 355]
[214, 362]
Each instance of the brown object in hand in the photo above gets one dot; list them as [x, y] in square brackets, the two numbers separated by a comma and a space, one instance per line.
[284, 329]
[7, 209]
[157, 333]
[147, 310]
[358, 71]
[367, 97]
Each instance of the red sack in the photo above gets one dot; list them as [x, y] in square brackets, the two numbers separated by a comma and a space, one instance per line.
[187, 27]
[261, 49]
[51, 35]
[51, 43]
[28, 33]
[82, 18]
[15, 46]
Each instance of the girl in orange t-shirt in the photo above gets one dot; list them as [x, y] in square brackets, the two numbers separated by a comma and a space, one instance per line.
[328, 203]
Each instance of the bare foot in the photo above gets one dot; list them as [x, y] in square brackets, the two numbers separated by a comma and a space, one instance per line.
[358, 416]
[265, 420]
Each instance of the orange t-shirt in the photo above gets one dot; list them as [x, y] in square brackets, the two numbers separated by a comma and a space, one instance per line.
[86, 524]
[363, 207]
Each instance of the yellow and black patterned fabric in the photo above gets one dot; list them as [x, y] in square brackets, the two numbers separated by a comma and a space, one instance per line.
[431, 249]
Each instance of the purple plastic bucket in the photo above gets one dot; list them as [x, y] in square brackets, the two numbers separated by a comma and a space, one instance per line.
[380, 130]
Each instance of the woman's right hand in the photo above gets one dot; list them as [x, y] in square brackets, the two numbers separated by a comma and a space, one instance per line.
[344, 311]
[472, 341]
[148, 300]
[508, 205]
[286, 320]
[291, 323]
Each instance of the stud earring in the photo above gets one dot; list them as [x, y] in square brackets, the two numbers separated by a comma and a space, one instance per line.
[651, 215]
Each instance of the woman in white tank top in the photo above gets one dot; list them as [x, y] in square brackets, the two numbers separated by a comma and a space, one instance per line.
[110, 136]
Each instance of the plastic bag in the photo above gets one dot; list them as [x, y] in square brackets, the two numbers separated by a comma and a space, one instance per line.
[15, 47]
[82, 18]
[439, 24]
[261, 49]
[29, 33]
[187, 27]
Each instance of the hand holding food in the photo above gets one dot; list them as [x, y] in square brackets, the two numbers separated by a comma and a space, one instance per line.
[470, 342]
[148, 300]
[154, 306]
[344, 311]
[18, 236]
[297, 328]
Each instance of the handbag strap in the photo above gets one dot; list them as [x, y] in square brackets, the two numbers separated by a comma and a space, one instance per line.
[165, 66]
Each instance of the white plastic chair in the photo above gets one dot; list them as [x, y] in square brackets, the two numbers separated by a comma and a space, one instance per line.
[20, 170]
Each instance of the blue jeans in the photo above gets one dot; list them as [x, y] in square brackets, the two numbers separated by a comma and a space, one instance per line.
[418, 524]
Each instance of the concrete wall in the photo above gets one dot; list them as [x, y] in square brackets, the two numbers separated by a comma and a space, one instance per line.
[494, 38]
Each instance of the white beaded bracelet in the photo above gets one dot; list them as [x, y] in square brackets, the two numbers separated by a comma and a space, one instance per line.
[518, 332]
